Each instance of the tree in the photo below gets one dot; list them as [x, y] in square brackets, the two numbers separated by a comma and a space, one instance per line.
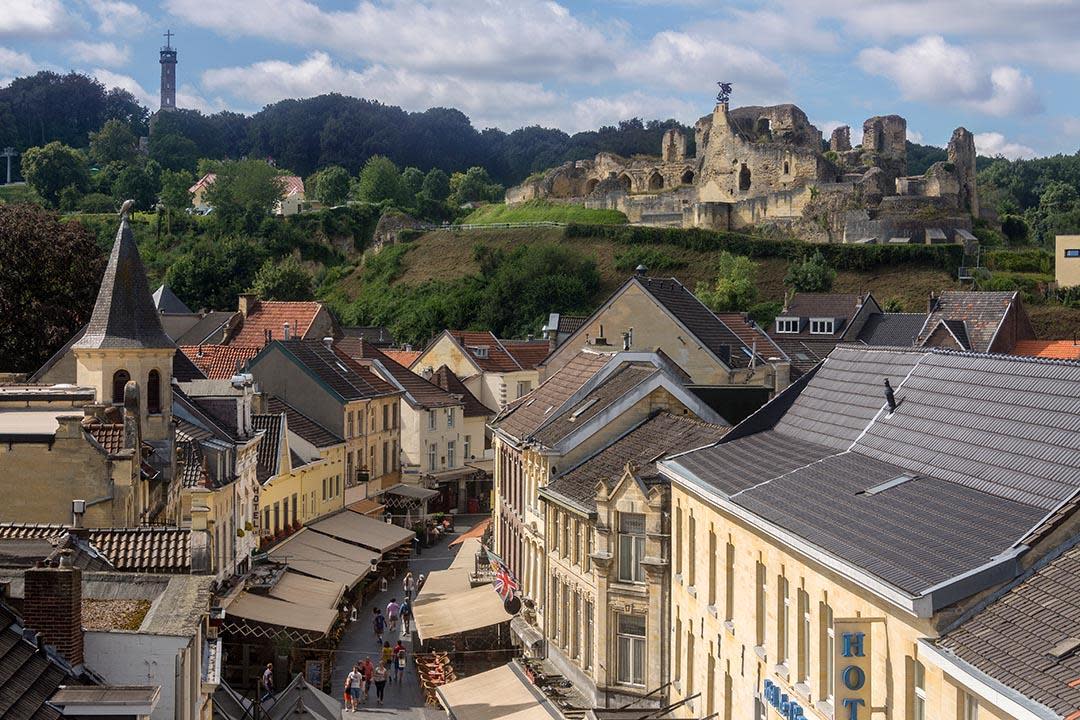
[52, 168]
[175, 192]
[379, 180]
[284, 280]
[114, 142]
[412, 181]
[331, 185]
[174, 152]
[121, 105]
[138, 182]
[811, 274]
[214, 272]
[48, 282]
[472, 186]
[735, 287]
[436, 185]
[244, 193]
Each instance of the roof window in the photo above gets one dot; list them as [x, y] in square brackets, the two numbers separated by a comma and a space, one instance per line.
[822, 326]
[480, 351]
[582, 408]
[1065, 648]
[787, 324]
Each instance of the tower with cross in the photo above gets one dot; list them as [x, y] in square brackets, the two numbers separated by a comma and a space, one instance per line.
[168, 73]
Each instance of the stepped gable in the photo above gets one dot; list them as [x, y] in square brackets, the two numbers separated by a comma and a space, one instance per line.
[124, 315]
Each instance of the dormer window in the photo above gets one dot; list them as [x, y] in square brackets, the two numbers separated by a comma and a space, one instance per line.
[787, 324]
[822, 326]
[480, 351]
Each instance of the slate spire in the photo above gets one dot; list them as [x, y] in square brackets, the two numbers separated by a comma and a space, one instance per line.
[124, 314]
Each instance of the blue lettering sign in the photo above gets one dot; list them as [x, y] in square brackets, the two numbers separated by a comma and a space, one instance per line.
[853, 644]
[788, 708]
[854, 677]
[852, 705]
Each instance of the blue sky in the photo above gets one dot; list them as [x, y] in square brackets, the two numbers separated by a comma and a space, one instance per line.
[1005, 69]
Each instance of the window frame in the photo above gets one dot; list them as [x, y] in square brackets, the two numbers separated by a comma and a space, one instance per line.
[785, 324]
[451, 453]
[631, 545]
[822, 323]
[626, 670]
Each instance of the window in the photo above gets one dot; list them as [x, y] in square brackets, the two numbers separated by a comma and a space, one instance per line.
[349, 423]
[787, 324]
[348, 466]
[827, 652]
[678, 541]
[691, 557]
[394, 414]
[821, 326]
[295, 517]
[783, 606]
[277, 517]
[523, 387]
[728, 689]
[1072, 252]
[449, 417]
[729, 584]
[712, 567]
[153, 393]
[631, 547]
[564, 612]
[969, 706]
[761, 597]
[395, 456]
[385, 456]
[630, 643]
[588, 549]
[451, 454]
[266, 519]
[467, 449]
[678, 649]
[431, 423]
[555, 532]
[120, 378]
[587, 658]
[710, 692]
[324, 484]
[918, 701]
[566, 537]
[577, 542]
[371, 462]
[690, 661]
[432, 456]
[804, 637]
[575, 631]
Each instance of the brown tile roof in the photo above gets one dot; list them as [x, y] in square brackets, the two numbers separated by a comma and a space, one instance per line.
[189, 465]
[28, 678]
[1060, 349]
[617, 385]
[445, 378]
[525, 416]
[749, 332]
[660, 436]
[219, 362]
[302, 425]
[272, 315]
[420, 392]
[342, 375]
[109, 435]
[698, 319]
[1013, 639]
[268, 459]
[136, 549]
[403, 357]
[979, 313]
[528, 353]
[497, 358]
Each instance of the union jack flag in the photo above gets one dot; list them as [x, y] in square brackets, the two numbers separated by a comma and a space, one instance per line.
[505, 583]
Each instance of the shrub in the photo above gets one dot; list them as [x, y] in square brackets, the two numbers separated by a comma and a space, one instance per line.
[97, 203]
[1034, 260]
[735, 287]
[651, 258]
[811, 274]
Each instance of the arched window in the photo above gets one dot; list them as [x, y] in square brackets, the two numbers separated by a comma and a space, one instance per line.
[153, 393]
[119, 380]
[787, 168]
[591, 185]
[744, 178]
[656, 181]
[624, 180]
[688, 177]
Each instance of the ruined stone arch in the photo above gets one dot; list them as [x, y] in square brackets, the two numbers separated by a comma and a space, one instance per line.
[561, 187]
[744, 178]
[625, 182]
[763, 127]
[687, 177]
[656, 180]
[590, 185]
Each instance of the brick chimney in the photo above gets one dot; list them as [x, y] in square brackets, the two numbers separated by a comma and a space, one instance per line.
[52, 605]
[248, 301]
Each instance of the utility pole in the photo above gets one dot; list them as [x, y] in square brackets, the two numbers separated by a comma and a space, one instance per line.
[9, 152]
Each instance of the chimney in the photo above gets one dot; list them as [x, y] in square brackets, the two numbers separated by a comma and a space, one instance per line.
[52, 605]
[132, 429]
[285, 331]
[641, 270]
[328, 342]
[889, 397]
[78, 509]
[248, 301]
[626, 340]
[931, 304]
[427, 373]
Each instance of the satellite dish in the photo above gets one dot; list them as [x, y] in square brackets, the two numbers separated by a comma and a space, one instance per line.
[512, 605]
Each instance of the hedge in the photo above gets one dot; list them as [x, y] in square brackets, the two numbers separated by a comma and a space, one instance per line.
[1032, 260]
[839, 257]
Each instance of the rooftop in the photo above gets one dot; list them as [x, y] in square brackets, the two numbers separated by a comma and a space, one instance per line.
[302, 425]
[336, 371]
[486, 350]
[165, 301]
[1060, 349]
[892, 329]
[445, 378]
[419, 392]
[698, 319]
[220, 362]
[137, 549]
[271, 316]
[979, 313]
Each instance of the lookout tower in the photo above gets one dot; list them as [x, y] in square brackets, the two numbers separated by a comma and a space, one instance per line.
[168, 73]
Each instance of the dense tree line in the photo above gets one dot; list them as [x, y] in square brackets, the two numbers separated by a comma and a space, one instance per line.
[1035, 199]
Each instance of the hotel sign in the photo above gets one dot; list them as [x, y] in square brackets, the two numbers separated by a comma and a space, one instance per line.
[852, 675]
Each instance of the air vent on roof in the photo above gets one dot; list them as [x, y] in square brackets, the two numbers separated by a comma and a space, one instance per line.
[1065, 648]
[588, 404]
[342, 368]
[882, 487]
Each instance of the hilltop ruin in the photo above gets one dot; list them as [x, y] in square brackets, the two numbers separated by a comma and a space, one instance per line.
[759, 166]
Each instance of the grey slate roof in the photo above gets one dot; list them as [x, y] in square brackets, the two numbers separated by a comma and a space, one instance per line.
[702, 322]
[268, 460]
[992, 441]
[337, 371]
[659, 436]
[892, 329]
[302, 425]
[421, 393]
[445, 378]
[209, 330]
[980, 312]
[165, 301]
[1010, 640]
[124, 315]
[27, 678]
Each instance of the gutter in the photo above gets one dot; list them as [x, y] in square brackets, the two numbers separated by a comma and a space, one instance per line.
[566, 503]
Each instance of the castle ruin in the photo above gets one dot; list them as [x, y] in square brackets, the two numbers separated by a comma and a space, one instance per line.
[760, 166]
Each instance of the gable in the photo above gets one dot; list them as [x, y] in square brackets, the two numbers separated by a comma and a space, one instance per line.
[445, 350]
[942, 337]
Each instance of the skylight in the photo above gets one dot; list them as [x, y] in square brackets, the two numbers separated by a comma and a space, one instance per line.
[585, 406]
[882, 487]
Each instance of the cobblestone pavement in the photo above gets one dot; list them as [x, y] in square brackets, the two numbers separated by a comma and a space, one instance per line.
[405, 699]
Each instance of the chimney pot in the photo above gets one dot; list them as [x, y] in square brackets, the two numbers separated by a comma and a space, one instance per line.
[328, 342]
[285, 331]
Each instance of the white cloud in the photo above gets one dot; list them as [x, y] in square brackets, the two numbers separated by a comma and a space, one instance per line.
[103, 53]
[914, 136]
[931, 70]
[116, 16]
[125, 82]
[14, 64]
[33, 17]
[994, 144]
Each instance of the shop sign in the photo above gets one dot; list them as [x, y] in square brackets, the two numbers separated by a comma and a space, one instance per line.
[851, 681]
[781, 702]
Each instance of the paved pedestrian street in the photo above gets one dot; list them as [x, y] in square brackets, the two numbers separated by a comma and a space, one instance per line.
[404, 699]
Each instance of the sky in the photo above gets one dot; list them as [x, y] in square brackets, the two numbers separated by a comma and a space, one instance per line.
[1005, 69]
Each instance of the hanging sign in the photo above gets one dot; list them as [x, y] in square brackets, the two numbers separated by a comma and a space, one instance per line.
[852, 675]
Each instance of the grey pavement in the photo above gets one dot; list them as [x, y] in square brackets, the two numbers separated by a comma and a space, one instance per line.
[403, 700]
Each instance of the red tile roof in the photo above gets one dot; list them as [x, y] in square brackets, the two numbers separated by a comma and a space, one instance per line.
[109, 435]
[403, 357]
[527, 353]
[1060, 349]
[496, 359]
[445, 378]
[272, 315]
[219, 362]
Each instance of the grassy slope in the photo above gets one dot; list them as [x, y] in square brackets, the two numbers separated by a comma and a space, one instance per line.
[538, 211]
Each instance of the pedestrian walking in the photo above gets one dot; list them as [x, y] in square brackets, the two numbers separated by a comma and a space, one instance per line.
[410, 586]
[392, 610]
[379, 625]
[367, 669]
[352, 688]
[406, 617]
[268, 682]
[399, 663]
[379, 678]
[352, 614]
[420, 583]
[386, 654]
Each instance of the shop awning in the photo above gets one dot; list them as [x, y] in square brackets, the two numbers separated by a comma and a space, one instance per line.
[485, 466]
[438, 615]
[500, 693]
[270, 611]
[414, 492]
[324, 557]
[303, 590]
[476, 531]
[367, 506]
[440, 583]
[359, 529]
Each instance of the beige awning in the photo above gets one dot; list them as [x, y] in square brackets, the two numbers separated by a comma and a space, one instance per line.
[359, 529]
[415, 491]
[503, 693]
[441, 583]
[466, 556]
[439, 614]
[303, 590]
[278, 612]
[324, 557]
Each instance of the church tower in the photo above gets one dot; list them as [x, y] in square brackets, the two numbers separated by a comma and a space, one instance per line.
[168, 73]
[124, 342]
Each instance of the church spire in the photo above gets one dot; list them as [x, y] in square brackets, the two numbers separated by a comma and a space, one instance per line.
[124, 314]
